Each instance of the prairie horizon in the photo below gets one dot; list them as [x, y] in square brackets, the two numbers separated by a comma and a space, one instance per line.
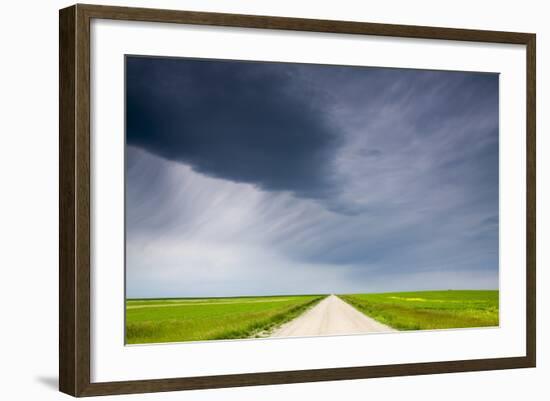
[305, 294]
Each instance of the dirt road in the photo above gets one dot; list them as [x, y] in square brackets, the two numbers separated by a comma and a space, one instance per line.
[330, 316]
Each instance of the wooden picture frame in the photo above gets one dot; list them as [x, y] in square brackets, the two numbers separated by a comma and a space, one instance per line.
[74, 203]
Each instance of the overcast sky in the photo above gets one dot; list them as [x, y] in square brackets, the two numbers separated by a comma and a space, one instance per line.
[250, 178]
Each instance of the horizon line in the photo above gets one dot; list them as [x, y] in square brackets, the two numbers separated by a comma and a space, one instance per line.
[306, 294]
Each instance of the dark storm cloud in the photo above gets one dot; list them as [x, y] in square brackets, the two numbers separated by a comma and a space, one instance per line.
[272, 124]
[246, 122]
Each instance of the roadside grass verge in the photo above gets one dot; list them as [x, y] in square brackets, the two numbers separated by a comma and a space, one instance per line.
[199, 319]
[428, 310]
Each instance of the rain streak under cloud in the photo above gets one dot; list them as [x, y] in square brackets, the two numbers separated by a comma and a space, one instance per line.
[252, 178]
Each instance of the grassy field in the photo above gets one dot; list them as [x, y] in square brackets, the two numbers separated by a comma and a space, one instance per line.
[429, 309]
[196, 319]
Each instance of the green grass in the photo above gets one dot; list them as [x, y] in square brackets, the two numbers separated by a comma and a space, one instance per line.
[198, 319]
[429, 309]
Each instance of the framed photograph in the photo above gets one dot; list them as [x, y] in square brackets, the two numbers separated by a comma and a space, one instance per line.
[249, 200]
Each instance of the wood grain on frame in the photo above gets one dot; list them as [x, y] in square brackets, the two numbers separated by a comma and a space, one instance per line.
[74, 199]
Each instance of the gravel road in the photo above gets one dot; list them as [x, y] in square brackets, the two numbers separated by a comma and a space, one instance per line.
[329, 317]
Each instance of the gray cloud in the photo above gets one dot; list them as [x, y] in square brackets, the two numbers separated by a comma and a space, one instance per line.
[246, 122]
[282, 126]
[392, 183]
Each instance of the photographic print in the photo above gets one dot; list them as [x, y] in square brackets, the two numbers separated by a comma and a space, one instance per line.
[271, 199]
